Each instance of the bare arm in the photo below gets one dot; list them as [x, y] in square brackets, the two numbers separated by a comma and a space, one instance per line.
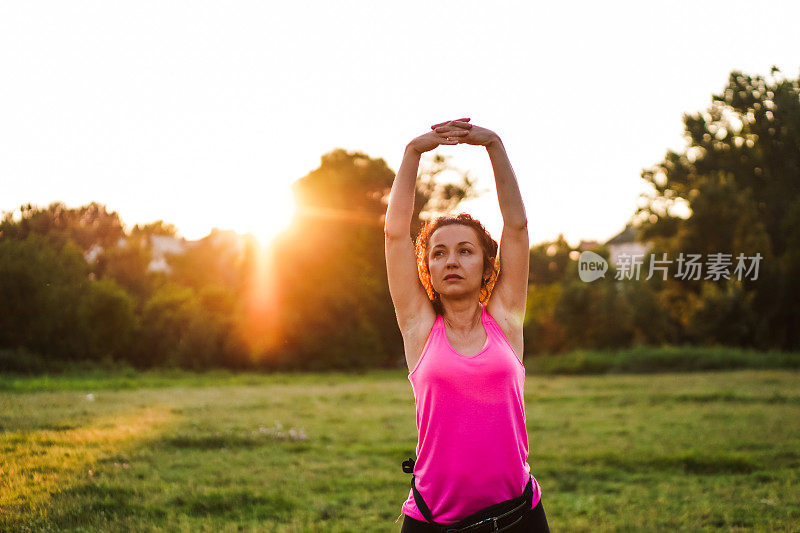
[414, 310]
[510, 291]
[508, 194]
[401, 198]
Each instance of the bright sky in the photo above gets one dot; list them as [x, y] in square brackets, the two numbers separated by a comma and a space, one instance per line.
[202, 113]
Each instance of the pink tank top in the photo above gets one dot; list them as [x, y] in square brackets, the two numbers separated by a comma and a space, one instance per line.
[473, 445]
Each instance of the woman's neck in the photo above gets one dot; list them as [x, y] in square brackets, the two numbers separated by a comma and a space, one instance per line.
[463, 318]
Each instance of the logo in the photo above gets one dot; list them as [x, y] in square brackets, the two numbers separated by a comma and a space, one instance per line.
[591, 266]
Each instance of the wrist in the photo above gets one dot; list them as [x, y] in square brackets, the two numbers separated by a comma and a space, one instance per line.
[411, 150]
[494, 142]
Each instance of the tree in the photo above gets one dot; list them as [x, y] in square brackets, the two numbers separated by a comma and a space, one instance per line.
[86, 226]
[51, 307]
[549, 261]
[127, 264]
[739, 180]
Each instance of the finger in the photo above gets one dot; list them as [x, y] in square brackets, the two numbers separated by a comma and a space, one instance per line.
[451, 137]
[454, 126]
[444, 129]
[447, 122]
[466, 119]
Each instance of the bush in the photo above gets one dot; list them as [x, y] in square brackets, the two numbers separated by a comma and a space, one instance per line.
[21, 361]
[644, 359]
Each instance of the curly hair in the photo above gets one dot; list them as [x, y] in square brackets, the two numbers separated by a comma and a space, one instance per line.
[487, 243]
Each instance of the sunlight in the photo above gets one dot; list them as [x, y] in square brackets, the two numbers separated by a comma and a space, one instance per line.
[260, 324]
[45, 460]
[260, 213]
[264, 214]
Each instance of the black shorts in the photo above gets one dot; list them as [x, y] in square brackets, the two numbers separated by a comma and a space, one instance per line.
[534, 521]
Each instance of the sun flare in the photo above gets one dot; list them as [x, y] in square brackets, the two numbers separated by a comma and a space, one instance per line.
[265, 215]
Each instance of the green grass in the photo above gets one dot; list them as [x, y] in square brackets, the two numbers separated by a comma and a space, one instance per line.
[322, 452]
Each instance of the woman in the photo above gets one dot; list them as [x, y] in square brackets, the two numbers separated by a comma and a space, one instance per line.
[464, 351]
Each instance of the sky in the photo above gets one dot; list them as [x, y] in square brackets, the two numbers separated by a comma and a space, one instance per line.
[202, 113]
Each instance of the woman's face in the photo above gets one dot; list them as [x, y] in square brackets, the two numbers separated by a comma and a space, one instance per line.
[454, 250]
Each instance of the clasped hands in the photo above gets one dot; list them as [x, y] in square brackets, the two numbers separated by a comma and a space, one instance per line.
[454, 132]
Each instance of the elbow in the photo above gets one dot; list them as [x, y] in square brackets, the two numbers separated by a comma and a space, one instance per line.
[390, 235]
[520, 225]
[393, 231]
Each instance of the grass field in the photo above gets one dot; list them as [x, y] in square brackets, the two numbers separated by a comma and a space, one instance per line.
[322, 452]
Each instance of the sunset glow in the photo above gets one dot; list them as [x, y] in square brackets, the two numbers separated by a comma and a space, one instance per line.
[265, 214]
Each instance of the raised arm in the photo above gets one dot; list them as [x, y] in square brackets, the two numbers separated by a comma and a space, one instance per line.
[401, 197]
[508, 194]
[510, 292]
[413, 308]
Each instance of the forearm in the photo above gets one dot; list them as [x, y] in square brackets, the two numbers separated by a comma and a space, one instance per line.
[401, 197]
[508, 194]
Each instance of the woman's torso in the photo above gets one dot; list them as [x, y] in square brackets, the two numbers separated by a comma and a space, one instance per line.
[473, 445]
